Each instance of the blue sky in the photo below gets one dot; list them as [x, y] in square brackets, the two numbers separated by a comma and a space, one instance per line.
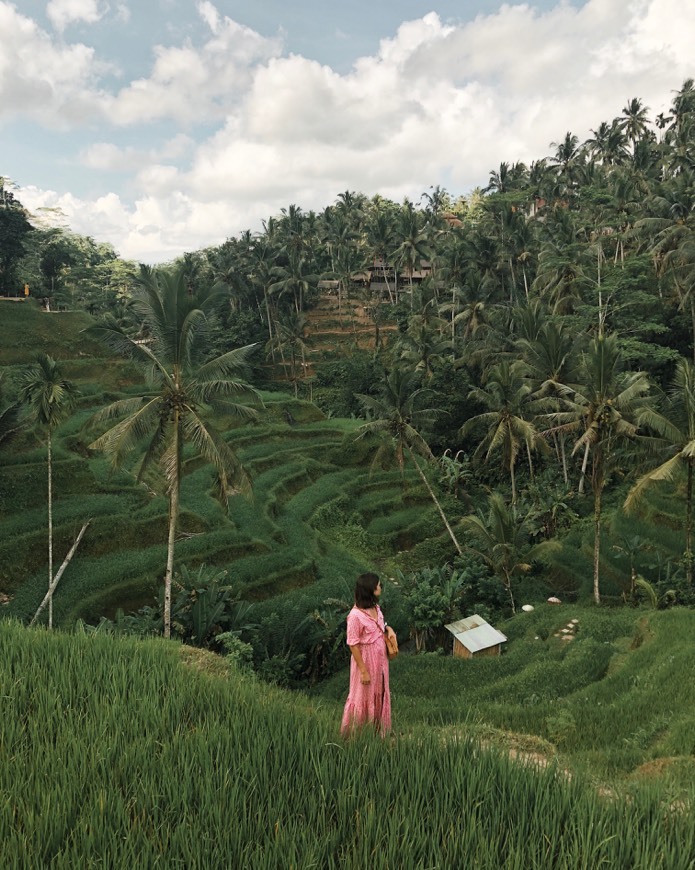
[167, 125]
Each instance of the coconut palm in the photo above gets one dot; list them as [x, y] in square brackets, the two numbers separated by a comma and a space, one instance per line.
[604, 409]
[500, 538]
[184, 388]
[506, 394]
[289, 340]
[549, 352]
[411, 241]
[394, 415]
[50, 398]
[634, 122]
[676, 428]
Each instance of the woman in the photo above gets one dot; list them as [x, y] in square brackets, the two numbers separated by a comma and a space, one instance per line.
[368, 698]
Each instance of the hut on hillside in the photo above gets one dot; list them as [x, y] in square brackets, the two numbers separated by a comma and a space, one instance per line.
[474, 637]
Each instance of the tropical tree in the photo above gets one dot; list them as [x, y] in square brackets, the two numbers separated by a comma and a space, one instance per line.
[506, 394]
[184, 389]
[676, 429]
[604, 410]
[548, 349]
[50, 398]
[411, 239]
[394, 415]
[289, 340]
[14, 232]
[500, 538]
[634, 122]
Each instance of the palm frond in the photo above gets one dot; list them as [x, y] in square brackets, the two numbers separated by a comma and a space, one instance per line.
[668, 471]
[118, 441]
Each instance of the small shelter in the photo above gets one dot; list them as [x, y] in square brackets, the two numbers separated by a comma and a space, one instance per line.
[474, 636]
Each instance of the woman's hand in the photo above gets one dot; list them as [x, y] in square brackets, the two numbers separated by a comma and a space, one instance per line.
[389, 631]
[365, 679]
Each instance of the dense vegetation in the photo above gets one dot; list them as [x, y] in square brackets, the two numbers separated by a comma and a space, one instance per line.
[132, 753]
[490, 400]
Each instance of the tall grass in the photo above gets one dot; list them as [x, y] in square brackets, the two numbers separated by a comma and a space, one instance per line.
[126, 754]
[618, 700]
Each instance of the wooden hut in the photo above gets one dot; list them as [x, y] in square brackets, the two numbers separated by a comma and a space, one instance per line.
[474, 637]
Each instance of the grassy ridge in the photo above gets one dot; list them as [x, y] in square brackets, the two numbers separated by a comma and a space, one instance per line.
[618, 700]
[122, 753]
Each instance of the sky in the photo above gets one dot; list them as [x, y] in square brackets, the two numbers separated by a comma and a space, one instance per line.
[165, 126]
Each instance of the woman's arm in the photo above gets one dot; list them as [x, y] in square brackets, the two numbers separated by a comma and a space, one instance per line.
[388, 630]
[365, 679]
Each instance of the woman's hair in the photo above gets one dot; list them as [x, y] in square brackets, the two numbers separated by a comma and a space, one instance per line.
[364, 590]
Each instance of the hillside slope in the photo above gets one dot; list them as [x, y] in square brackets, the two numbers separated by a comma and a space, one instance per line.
[125, 754]
[295, 531]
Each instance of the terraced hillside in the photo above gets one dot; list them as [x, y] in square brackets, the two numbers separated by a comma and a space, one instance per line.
[292, 532]
[343, 323]
[316, 515]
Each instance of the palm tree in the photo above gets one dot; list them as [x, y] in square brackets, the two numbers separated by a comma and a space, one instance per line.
[604, 409]
[50, 398]
[160, 423]
[549, 354]
[506, 393]
[501, 541]
[411, 241]
[561, 276]
[676, 428]
[607, 145]
[289, 341]
[379, 238]
[670, 233]
[634, 123]
[394, 415]
[567, 159]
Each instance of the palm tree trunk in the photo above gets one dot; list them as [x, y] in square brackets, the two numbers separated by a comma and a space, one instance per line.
[525, 283]
[597, 540]
[508, 587]
[174, 493]
[270, 319]
[530, 460]
[436, 501]
[585, 462]
[50, 532]
[563, 457]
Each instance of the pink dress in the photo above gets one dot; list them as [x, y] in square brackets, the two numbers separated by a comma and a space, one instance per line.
[370, 703]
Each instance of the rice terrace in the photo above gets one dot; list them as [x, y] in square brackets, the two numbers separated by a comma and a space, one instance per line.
[489, 400]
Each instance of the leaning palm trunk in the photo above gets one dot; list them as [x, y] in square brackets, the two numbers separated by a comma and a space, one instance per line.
[270, 319]
[438, 505]
[174, 493]
[51, 589]
[585, 462]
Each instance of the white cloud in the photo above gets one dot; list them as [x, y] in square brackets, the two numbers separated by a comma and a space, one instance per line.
[104, 156]
[65, 12]
[51, 82]
[437, 104]
[191, 83]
